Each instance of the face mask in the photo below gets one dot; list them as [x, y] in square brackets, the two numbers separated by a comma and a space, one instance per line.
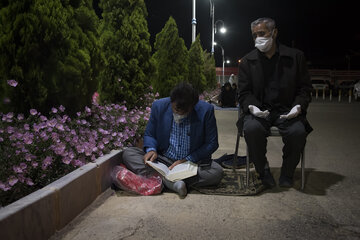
[178, 117]
[264, 43]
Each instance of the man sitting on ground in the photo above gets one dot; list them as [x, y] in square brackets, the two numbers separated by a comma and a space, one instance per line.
[181, 128]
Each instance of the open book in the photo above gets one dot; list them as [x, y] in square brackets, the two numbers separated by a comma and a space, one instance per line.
[179, 172]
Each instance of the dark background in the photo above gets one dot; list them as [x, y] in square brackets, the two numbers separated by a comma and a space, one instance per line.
[327, 31]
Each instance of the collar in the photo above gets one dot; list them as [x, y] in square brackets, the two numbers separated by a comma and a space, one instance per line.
[281, 49]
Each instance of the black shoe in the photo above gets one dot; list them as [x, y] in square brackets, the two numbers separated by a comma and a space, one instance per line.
[267, 179]
[286, 182]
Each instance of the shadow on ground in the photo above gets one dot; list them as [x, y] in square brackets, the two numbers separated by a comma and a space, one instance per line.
[316, 182]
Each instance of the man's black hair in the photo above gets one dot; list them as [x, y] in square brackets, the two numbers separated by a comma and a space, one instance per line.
[184, 96]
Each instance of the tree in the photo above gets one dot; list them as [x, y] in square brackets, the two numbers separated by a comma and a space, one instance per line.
[209, 70]
[196, 66]
[171, 57]
[50, 48]
[125, 44]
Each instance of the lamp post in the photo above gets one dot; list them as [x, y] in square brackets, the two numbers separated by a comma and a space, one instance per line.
[193, 21]
[223, 61]
[213, 25]
[212, 12]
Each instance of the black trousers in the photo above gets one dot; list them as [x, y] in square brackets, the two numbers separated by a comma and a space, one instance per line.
[256, 131]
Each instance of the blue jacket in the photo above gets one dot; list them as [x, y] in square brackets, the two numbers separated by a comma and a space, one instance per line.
[203, 133]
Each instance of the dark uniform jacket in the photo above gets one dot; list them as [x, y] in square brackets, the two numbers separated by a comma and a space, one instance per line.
[292, 74]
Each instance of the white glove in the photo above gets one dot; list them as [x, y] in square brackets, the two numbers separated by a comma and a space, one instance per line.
[257, 113]
[296, 110]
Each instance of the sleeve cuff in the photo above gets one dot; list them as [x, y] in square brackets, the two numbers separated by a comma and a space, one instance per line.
[189, 158]
[150, 149]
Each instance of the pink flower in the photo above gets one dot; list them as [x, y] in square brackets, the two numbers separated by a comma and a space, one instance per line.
[33, 112]
[28, 140]
[95, 98]
[78, 163]
[105, 140]
[4, 187]
[12, 83]
[28, 157]
[12, 180]
[29, 182]
[47, 162]
[60, 127]
[17, 169]
[66, 160]
[20, 117]
[10, 115]
[122, 120]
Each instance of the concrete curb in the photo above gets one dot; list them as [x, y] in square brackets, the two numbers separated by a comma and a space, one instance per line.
[40, 214]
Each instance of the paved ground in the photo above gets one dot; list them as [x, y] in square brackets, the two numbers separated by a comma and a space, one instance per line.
[327, 209]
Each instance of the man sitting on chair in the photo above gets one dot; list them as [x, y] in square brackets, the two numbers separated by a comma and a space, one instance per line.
[181, 128]
[274, 90]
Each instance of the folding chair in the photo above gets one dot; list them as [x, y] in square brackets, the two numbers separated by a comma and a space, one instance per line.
[274, 132]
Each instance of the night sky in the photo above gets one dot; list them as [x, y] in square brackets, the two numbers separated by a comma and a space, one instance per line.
[326, 30]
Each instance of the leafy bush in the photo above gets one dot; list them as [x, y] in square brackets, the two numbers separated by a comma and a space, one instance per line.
[38, 149]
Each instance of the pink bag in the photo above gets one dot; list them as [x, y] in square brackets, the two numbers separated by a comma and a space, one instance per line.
[129, 181]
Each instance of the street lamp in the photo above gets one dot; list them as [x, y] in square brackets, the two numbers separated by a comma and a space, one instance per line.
[222, 29]
[213, 27]
[223, 62]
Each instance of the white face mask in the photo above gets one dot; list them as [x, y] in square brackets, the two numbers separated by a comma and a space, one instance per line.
[178, 117]
[263, 43]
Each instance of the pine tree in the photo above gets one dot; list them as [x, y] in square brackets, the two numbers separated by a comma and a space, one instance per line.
[50, 48]
[209, 70]
[171, 59]
[125, 44]
[196, 66]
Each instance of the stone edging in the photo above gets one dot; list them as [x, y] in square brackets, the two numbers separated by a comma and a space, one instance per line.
[40, 214]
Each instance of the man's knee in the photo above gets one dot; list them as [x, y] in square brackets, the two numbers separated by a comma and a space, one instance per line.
[214, 175]
[297, 132]
[253, 128]
[132, 153]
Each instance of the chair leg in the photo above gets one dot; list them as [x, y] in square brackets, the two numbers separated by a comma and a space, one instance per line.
[303, 169]
[236, 150]
[247, 167]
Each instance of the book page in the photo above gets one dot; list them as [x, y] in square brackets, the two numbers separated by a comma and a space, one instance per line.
[179, 172]
[182, 171]
[158, 166]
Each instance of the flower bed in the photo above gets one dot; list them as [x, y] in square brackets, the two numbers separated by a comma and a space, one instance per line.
[38, 149]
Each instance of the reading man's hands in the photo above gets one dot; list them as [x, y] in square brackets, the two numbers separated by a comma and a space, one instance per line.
[176, 163]
[150, 156]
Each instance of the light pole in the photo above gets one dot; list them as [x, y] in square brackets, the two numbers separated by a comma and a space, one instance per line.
[193, 21]
[223, 61]
[212, 13]
[213, 25]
